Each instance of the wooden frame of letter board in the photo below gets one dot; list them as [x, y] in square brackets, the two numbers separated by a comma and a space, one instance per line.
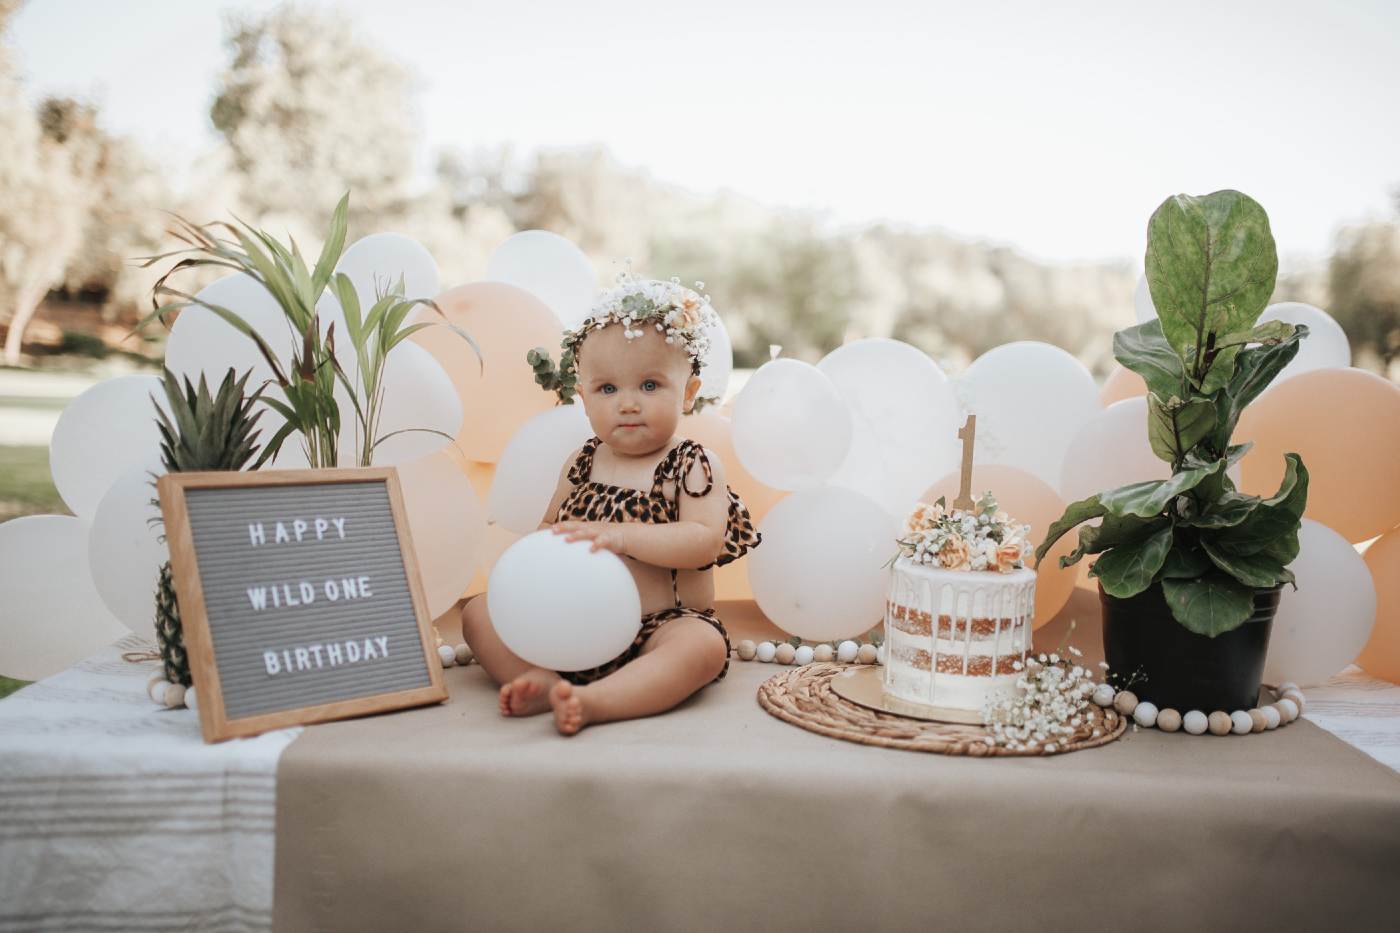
[189, 593]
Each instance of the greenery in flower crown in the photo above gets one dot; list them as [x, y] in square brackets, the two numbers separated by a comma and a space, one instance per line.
[1211, 266]
[680, 313]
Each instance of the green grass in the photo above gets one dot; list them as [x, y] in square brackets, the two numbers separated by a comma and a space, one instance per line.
[25, 485]
[9, 685]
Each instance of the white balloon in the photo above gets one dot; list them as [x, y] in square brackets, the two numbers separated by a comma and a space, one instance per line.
[50, 613]
[1325, 347]
[1029, 398]
[562, 606]
[201, 341]
[377, 262]
[821, 570]
[529, 467]
[418, 395]
[718, 364]
[125, 551]
[1322, 626]
[905, 409]
[1110, 450]
[1143, 307]
[791, 427]
[105, 431]
[550, 267]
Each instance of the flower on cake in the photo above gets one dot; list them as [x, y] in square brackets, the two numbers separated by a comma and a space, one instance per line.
[956, 539]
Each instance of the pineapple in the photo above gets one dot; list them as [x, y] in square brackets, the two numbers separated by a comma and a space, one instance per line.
[202, 432]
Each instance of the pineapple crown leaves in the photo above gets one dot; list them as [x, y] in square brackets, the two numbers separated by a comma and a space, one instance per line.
[207, 430]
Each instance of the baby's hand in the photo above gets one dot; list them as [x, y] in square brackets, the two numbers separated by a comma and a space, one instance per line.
[604, 535]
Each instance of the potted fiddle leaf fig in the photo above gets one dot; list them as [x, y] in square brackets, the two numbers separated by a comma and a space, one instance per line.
[1190, 568]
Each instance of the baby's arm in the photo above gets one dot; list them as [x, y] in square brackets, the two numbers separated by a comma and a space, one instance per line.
[698, 537]
[561, 489]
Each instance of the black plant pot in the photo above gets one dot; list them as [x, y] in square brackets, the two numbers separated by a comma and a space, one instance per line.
[1178, 669]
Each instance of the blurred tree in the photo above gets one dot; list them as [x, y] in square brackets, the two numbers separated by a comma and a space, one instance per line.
[309, 111]
[1365, 287]
[41, 207]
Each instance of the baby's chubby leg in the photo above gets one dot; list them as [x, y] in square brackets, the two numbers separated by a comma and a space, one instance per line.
[524, 687]
[683, 656]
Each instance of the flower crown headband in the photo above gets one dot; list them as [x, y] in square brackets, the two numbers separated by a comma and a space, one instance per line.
[681, 314]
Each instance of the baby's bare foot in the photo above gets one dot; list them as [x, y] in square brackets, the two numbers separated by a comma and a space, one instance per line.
[527, 695]
[569, 714]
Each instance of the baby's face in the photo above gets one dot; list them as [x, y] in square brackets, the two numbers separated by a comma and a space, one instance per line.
[634, 391]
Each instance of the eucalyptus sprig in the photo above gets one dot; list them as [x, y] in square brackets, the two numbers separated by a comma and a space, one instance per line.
[1211, 268]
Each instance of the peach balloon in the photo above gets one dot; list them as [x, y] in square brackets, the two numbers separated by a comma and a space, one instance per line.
[498, 540]
[732, 580]
[712, 430]
[1028, 500]
[448, 525]
[1381, 656]
[1345, 423]
[481, 475]
[1120, 384]
[498, 391]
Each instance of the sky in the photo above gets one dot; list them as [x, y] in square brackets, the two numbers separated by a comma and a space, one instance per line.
[1053, 128]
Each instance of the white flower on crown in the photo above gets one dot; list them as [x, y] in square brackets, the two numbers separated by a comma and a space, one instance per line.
[681, 314]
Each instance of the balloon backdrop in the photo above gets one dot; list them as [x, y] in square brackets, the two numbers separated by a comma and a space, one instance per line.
[1325, 347]
[51, 615]
[820, 571]
[377, 262]
[104, 432]
[497, 391]
[419, 399]
[1121, 383]
[561, 605]
[791, 428]
[201, 341]
[906, 420]
[1029, 398]
[714, 431]
[1143, 308]
[718, 364]
[1343, 424]
[1381, 656]
[1109, 450]
[447, 523]
[1030, 501]
[529, 468]
[498, 540]
[551, 268]
[1323, 625]
[125, 551]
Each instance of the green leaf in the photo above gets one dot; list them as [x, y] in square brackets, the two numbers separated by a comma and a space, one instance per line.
[1146, 352]
[1112, 531]
[1174, 426]
[1226, 511]
[1149, 498]
[1258, 570]
[1255, 368]
[1210, 605]
[1184, 561]
[1270, 332]
[1075, 513]
[1211, 267]
[334, 245]
[1275, 517]
[1129, 569]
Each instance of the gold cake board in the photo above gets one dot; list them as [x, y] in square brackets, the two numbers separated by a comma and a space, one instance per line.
[806, 698]
[865, 686]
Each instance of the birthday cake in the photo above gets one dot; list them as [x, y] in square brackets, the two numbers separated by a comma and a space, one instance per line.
[958, 615]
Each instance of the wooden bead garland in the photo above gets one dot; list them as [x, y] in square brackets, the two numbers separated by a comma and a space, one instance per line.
[1288, 706]
[847, 652]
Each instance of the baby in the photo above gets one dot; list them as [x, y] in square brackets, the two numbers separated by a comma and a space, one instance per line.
[658, 501]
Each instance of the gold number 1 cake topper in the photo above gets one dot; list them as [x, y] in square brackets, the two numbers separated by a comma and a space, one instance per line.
[966, 433]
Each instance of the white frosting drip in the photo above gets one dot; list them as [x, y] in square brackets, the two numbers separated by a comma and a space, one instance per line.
[1006, 598]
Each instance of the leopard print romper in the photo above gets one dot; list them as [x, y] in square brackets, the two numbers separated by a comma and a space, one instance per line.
[601, 502]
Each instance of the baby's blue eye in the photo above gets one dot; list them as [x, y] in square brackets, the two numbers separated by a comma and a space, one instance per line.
[607, 388]
[649, 385]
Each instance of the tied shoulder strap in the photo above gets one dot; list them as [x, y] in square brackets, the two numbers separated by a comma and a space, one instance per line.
[583, 464]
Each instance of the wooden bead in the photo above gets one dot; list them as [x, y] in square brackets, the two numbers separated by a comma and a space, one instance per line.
[1297, 697]
[1241, 723]
[191, 700]
[1271, 717]
[1195, 722]
[866, 654]
[785, 653]
[846, 651]
[464, 654]
[174, 696]
[803, 656]
[157, 691]
[1287, 709]
[447, 655]
[1103, 695]
[765, 651]
[1286, 686]
[1258, 722]
[1219, 723]
[1125, 702]
[747, 649]
[823, 653]
[1168, 720]
[1145, 715]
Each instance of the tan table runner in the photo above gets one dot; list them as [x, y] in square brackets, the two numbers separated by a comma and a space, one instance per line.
[717, 816]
